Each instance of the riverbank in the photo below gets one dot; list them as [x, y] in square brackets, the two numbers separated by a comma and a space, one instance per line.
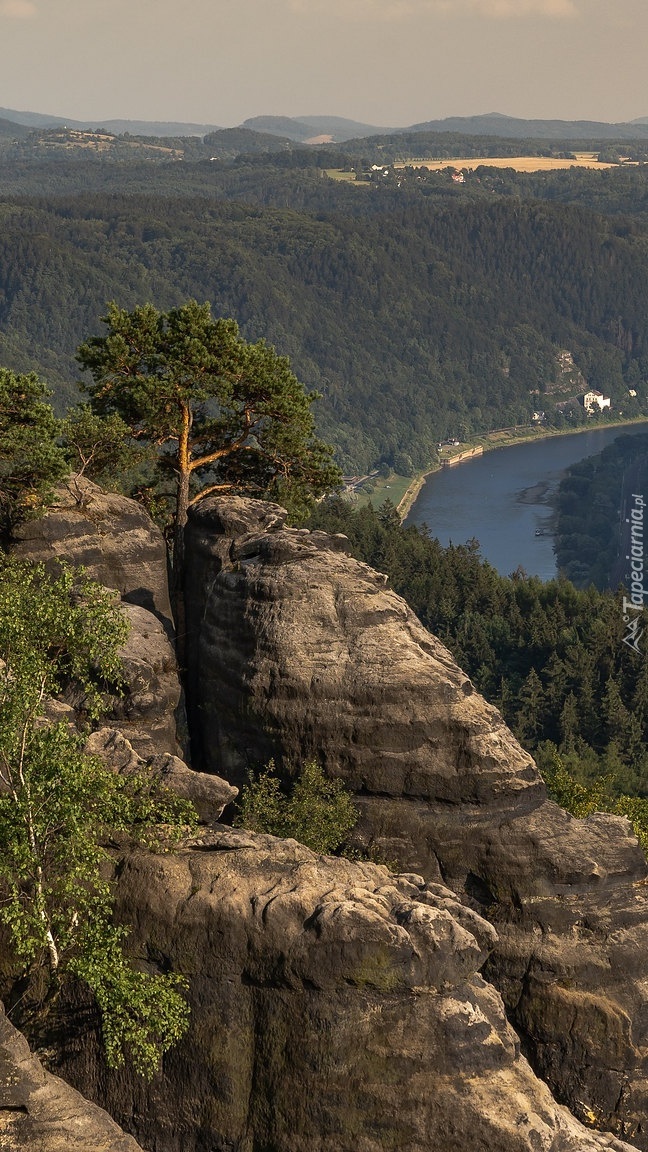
[500, 438]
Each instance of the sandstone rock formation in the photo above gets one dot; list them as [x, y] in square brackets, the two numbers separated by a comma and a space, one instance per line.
[209, 794]
[40, 1113]
[147, 712]
[110, 535]
[336, 1008]
[117, 543]
[297, 650]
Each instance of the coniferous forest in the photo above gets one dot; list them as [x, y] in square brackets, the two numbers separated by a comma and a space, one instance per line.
[591, 504]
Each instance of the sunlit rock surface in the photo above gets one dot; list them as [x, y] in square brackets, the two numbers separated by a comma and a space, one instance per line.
[110, 535]
[40, 1113]
[335, 1007]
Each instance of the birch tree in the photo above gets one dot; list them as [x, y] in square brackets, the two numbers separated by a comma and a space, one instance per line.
[59, 807]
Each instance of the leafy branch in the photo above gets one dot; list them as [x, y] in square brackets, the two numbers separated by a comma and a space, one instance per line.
[59, 808]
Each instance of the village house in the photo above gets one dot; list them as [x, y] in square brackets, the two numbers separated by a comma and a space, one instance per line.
[594, 400]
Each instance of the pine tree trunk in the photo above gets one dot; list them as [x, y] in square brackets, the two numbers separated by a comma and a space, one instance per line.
[182, 510]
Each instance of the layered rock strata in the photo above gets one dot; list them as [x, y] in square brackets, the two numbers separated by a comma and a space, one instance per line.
[336, 1008]
[297, 651]
[118, 545]
[111, 536]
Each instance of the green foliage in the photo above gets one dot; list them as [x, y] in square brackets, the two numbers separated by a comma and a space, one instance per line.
[234, 413]
[579, 799]
[100, 447]
[584, 799]
[142, 1014]
[30, 458]
[588, 506]
[636, 809]
[409, 340]
[58, 806]
[318, 811]
[54, 631]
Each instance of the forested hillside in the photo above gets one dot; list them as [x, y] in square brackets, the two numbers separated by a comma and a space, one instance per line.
[417, 317]
[591, 508]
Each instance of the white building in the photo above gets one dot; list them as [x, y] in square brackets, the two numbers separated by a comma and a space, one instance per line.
[593, 400]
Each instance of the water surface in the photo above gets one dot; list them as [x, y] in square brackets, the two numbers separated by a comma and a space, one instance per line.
[500, 498]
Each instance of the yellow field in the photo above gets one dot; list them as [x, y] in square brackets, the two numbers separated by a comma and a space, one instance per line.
[520, 163]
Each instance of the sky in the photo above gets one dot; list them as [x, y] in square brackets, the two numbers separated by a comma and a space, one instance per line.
[383, 62]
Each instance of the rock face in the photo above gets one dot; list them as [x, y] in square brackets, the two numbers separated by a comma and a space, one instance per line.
[110, 535]
[297, 650]
[40, 1113]
[209, 794]
[336, 1008]
[117, 543]
[148, 710]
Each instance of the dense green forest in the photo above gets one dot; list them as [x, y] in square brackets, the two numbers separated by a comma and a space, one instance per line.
[418, 313]
[550, 657]
[591, 505]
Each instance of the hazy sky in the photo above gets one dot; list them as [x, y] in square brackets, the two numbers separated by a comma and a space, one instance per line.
[386, 62]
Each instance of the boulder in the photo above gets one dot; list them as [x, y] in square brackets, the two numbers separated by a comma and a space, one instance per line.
[111, 536]
[210, 795]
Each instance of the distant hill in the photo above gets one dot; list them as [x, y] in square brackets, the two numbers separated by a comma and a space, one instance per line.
[151, 127]
[279, 126]
[440, 332]
[236, 141]
[12, 130]
[341, 129]
[338, 129]
[134, 127]
[32, 119]
[304, 128]
[496, 124]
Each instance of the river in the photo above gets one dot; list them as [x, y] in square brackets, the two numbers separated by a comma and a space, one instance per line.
[500, 498]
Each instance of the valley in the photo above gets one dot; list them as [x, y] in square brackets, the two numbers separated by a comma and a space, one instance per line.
[465, 965]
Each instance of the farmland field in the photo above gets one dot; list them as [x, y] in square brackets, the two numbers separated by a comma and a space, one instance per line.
[520, 163]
